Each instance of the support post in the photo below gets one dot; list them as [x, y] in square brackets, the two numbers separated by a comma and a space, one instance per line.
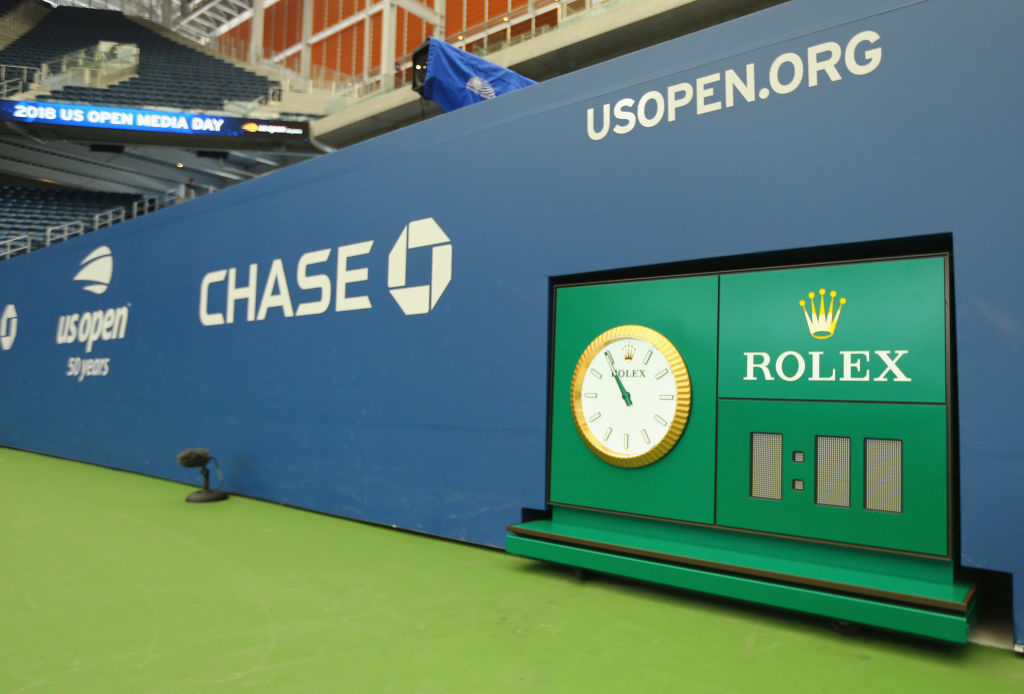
[439, 28]
[256, 34]
[367, 46]
[305, 60]
[387, 45]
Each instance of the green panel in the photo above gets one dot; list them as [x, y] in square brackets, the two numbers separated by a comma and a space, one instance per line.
[920, 526]
[680, 485]
[926, 577]
[891, 307]
[923, 622]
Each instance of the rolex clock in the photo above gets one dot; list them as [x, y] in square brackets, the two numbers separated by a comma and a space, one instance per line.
[630, 396]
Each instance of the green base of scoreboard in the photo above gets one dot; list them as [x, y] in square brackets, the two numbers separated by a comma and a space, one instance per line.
[915, 595]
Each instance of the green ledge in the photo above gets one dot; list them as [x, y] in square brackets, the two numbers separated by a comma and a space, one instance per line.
[896, 577]
[934, 624]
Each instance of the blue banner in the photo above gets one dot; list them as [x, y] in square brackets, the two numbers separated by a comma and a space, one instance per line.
[149, 120]
[456, 78]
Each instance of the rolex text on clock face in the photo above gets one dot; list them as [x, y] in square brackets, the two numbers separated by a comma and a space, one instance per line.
[631, 396]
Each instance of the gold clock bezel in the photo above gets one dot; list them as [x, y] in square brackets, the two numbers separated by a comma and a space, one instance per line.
[683, 395]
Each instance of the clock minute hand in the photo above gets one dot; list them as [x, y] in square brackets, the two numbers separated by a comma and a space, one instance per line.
[622, 388]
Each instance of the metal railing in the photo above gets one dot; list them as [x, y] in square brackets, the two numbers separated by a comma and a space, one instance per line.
[62, 232]
[11, 87]
[490, 44]
[152, 203]
[96, 66]
[150, 9]
[15, 79]
[108, 218]
[15, 246]
[328, 79]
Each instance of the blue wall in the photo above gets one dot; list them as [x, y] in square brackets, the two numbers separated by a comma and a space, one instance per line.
[436, 422]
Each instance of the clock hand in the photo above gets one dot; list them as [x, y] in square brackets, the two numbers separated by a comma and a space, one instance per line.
[622, 388]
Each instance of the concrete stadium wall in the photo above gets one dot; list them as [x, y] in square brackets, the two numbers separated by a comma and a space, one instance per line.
[858, 124]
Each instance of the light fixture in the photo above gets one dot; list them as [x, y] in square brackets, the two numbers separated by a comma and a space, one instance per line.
[505, 18]
[200, 457]
[419, 71]
[459, 37]
[180, 165]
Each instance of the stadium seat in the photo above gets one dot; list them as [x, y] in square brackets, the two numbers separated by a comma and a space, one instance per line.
[169, 74]
[30, 211]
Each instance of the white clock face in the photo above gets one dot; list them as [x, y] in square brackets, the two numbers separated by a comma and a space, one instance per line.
[631, 396]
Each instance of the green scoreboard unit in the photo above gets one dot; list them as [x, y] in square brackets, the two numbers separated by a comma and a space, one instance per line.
[778, 435]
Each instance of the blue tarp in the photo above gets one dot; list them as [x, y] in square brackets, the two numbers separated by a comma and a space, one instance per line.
[456, 78]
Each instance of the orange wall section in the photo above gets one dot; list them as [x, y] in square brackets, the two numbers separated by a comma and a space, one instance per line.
[476, 12]
[240, 32]
[332, 51]
[496, 8]
[319, 15]
[414, 28]
[345, 52]
[375, 24]
[351, 50]
[360, 49]
[333, 13]
[317, 54]
[453, 17]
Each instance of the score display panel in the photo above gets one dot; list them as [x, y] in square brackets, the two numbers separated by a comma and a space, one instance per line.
[126, 120]
[816, 444]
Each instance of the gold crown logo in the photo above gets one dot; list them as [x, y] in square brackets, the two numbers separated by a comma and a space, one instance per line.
[628, 351]
[822, 325]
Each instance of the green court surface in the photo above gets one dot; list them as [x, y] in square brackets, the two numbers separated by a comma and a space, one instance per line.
[112, 583]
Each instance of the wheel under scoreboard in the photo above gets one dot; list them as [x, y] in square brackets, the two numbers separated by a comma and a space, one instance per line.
[779, 436]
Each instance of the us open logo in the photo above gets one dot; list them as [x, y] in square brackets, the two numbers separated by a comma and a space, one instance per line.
[90, 326]
[8, 327]
[481, 87]
[97, 270]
